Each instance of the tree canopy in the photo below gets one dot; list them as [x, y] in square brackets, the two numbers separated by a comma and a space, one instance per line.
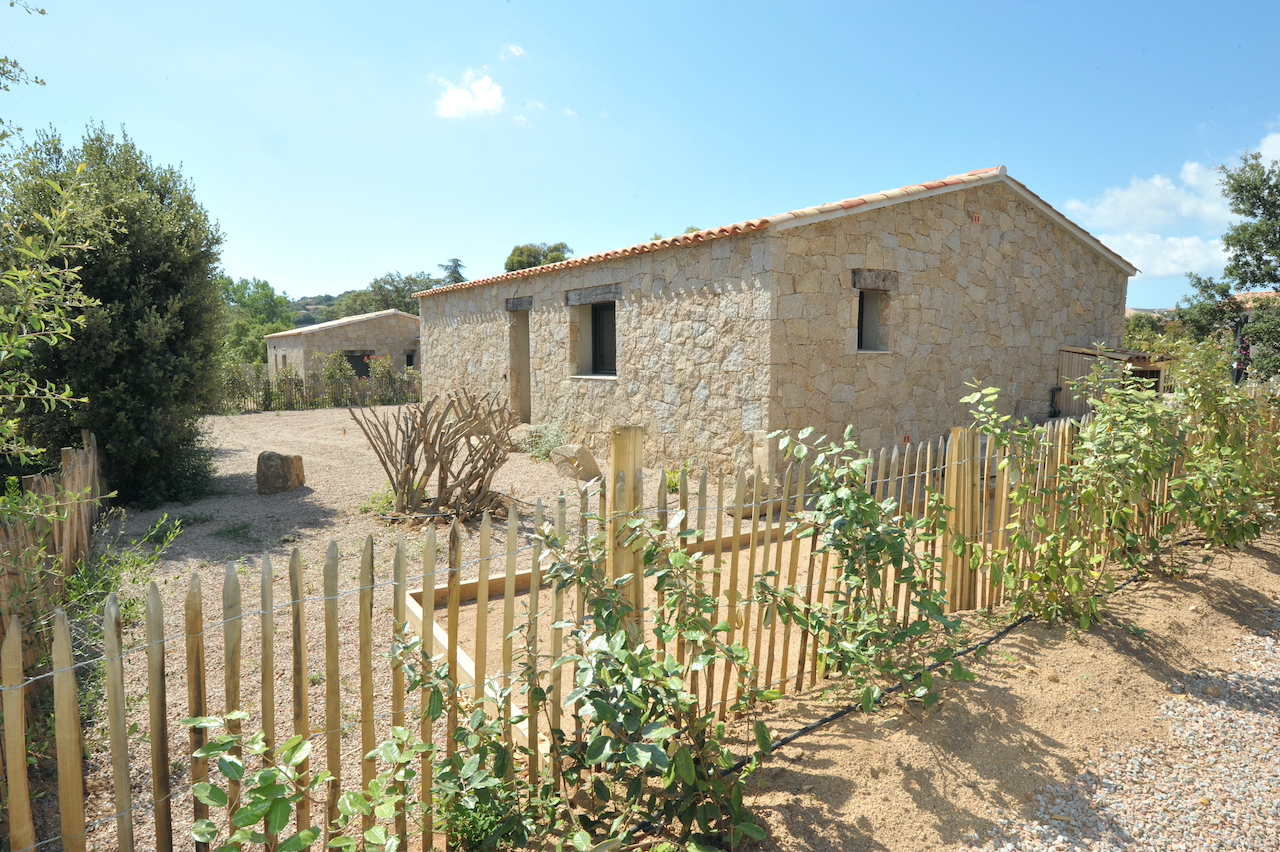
[253, 310]
[1213, 308]
[452, 270]
[1217, 309]
[1141, 330]
[530, 255]
[390, 291]
[146, 357]
[1253, 245]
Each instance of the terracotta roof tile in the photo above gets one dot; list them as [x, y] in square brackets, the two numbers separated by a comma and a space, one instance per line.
[884, 196]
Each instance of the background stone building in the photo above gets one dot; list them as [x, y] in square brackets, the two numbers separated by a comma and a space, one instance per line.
[874, 311]
[382, 334]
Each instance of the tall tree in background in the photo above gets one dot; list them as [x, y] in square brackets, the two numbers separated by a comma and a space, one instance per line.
[1253, 246]
[530, 255]
[145, 358]
[1213, 308]
[1253, 250]
[253, 310]
[453, 271]
[391, 291]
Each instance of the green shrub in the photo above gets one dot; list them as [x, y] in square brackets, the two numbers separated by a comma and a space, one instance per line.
[880, 555]
[543, 438]
[1227, 486]
[338, 376]
[1071, 533]
[146, 356]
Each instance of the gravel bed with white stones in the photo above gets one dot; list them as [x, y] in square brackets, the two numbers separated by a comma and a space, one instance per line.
[1213, 785]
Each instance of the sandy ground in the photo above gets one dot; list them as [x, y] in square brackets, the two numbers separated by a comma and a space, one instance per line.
[1047, 700]
[1047, 703]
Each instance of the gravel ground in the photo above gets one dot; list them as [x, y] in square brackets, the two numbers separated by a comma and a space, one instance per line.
[1214, 784]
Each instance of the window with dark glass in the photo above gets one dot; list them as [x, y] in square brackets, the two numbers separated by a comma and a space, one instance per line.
[604, 339]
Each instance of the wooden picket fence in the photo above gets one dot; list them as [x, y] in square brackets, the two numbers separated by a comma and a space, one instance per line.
[248, 388]
[37, 555]
[466, 610]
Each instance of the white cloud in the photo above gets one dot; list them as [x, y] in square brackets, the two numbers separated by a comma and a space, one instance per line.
[1164, 257]
[1166, 226]
[474, 95]
[1270, 147]
[520, 120]
[536, 105]
[570, 113]
[1148, 204]
[513, 50]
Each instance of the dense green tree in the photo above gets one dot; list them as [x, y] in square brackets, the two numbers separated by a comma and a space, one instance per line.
[391, 291]
[452, 270]
[253, 310]
[1263, 334]
[146, 357]
[256, 299]
[1253, 245]
[530, 255]
[1213, 308]
[1142, 330]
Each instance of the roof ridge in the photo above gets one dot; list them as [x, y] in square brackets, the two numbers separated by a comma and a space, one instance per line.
[303, 329]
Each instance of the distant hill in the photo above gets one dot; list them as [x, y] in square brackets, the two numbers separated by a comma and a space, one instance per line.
[310, 310]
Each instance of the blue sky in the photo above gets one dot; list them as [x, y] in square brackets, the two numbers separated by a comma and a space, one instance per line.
[334, 142]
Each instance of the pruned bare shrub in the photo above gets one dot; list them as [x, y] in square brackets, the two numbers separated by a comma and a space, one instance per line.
[441, 456]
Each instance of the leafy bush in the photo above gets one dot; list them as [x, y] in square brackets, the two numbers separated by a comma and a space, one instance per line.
[271, 783]
[1226, 487]
[645, 758]
[881, 559]
[1074, 530]
[647, 750]
[543, 438]
[673, 477]
[145, 357]
[339, 377]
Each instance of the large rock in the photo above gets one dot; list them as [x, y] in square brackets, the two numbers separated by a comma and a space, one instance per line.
[278, 473]
[520, 435]
[575, 460]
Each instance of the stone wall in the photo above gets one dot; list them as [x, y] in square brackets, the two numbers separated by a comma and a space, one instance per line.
[385, 335]
[721, 342]
[989, 301]
[692, 349]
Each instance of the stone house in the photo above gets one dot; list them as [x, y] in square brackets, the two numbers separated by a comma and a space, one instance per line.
[381, 334]
[874, 311]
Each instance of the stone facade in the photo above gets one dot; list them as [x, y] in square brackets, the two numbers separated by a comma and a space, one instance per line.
[383, 334]
[989, 302]
[692, 349]
[755, 328]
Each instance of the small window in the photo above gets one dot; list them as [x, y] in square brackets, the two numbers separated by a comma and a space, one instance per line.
[410, 358]
[284, 362]
[359, 361]
[872, 307]
[594, 331]
[604, 339]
